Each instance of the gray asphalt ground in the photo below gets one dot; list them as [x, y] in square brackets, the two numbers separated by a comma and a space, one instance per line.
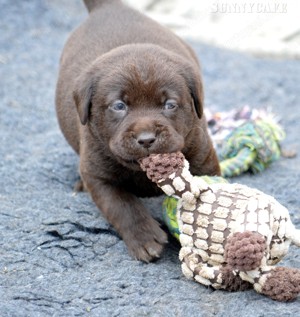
[58, 255]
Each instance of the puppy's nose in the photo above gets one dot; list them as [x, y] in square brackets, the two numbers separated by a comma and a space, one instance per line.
[146, 139]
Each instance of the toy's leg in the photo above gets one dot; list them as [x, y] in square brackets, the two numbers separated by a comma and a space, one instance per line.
[194, 268]
[245, 252]
[218, 277]
[280, 283]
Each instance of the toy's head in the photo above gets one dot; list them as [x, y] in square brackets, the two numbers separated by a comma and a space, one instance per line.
[159, 167]
[172, 175]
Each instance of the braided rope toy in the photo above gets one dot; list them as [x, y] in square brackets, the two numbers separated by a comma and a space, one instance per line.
[246, 139]
[251, 147]
[231, 235]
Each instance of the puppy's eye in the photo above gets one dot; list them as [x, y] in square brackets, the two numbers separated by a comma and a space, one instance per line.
[170, 105]
[119, 106]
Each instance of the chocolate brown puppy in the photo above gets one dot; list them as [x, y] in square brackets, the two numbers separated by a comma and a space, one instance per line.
[127, 88]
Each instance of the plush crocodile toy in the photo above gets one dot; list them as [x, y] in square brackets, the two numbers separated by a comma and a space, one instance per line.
[231, 235]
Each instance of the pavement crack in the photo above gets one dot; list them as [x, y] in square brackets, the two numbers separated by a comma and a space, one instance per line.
[55, 234]
[40, 301]
[79, 227]
[94, 230]
[8, 215]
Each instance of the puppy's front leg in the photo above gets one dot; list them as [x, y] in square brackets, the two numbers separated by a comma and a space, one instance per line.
[125, 212]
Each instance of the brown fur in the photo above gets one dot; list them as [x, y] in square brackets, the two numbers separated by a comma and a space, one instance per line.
[128, 87]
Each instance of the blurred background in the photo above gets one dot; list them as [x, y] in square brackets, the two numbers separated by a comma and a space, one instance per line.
[261, 27]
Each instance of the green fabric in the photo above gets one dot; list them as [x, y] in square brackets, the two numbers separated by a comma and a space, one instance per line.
[238, 164]
[170, 215]
[251, 147]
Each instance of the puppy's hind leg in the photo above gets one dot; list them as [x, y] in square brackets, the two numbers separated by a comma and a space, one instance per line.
[79, 186]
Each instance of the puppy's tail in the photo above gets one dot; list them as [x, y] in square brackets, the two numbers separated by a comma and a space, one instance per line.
[92, 4]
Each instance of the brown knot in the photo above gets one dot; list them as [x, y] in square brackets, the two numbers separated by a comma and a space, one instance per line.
[245, 250]
[283, 284]
[160, 166]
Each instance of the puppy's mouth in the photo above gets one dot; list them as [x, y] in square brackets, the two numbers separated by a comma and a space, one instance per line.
[128, 147]
[129, 163]
[134, 163]
[131, 160]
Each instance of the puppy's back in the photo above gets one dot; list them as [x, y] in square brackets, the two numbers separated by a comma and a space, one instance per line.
[111, 24]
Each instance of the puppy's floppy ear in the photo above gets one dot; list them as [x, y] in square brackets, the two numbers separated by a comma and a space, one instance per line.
[83, 93]
[194, 83]
[197, 95]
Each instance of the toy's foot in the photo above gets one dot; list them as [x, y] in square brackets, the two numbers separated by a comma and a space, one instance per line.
[282, 284]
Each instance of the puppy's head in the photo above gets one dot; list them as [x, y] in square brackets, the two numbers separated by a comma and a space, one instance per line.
[140, 99]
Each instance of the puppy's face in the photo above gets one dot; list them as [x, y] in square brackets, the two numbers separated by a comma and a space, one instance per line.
[140, 100]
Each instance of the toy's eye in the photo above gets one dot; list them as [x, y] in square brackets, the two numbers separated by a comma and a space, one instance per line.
[119, 106]
[170, 105]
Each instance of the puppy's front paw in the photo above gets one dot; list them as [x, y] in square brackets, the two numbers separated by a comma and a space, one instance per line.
[146, 242]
